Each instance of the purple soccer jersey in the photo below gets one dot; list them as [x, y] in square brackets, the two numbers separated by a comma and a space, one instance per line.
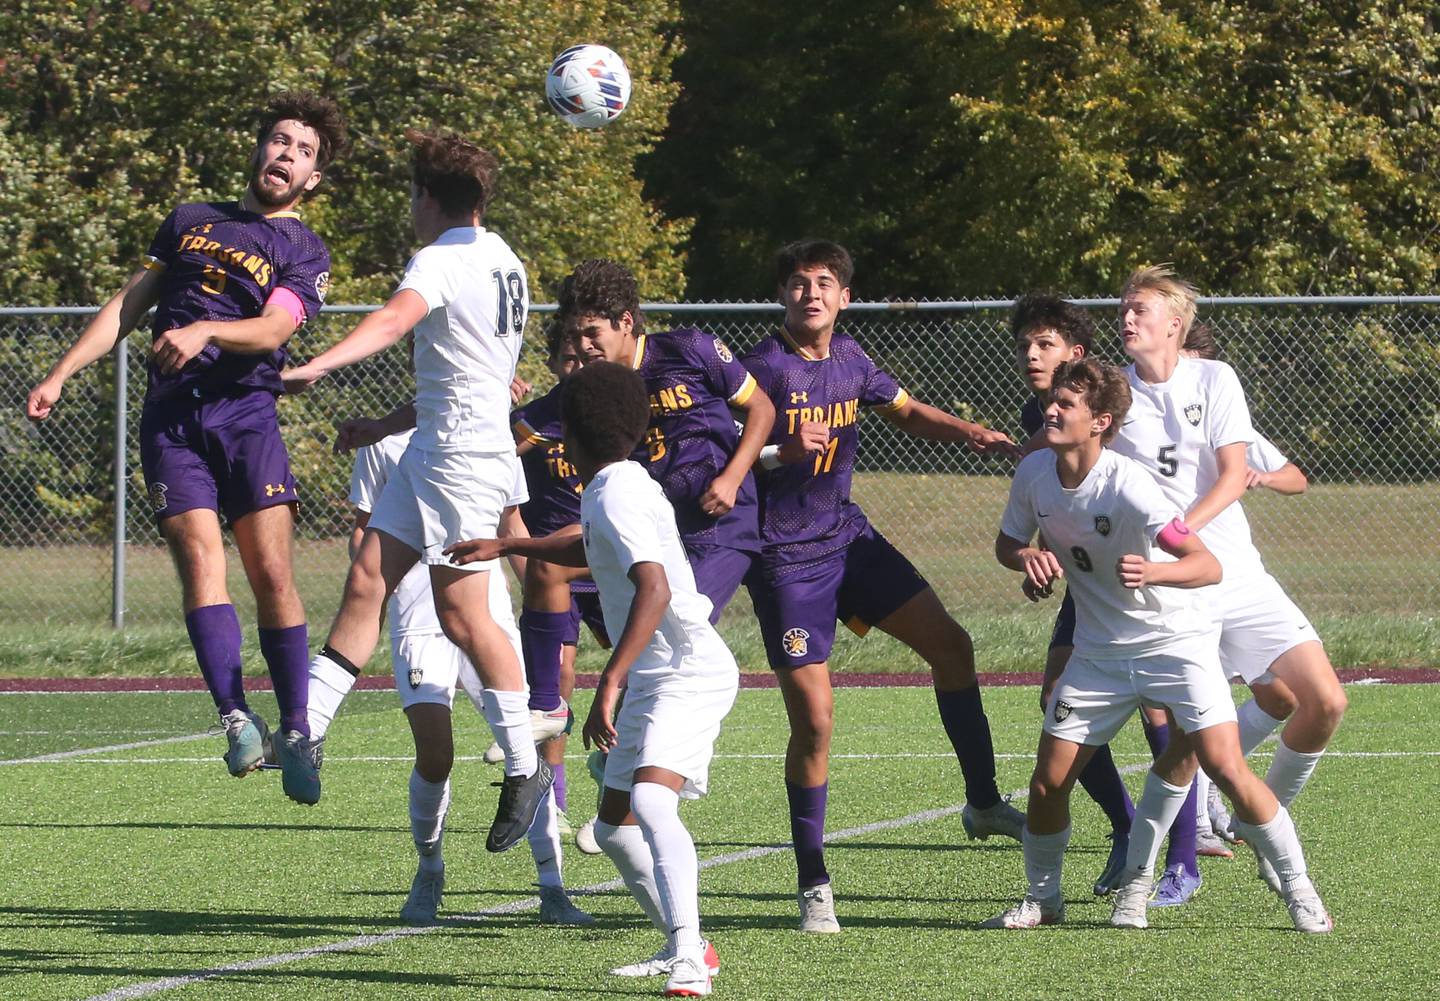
[222, 262]
[693, 380]
[553, 483]
[805, 508]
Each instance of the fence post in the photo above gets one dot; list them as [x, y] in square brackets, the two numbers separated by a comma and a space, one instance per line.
[122, 382]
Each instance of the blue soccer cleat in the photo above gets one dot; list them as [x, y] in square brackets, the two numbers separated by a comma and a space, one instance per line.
[300, 759]
[1176, 887]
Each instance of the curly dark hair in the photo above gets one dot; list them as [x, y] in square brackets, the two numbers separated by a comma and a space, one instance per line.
[318, 112]
[600, 288]
[810, 253]
[1041, 311]
[1104, 388]
[604, 408]
[1200, 340]
[453, 170]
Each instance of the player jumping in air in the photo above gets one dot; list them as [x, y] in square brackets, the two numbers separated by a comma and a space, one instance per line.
[1190, 427]
[823, 561]
[465, 296]
[679, 679]
[1141, 637]
[231, 282]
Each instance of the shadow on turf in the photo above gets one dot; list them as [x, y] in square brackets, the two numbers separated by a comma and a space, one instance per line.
[138, 826]
[267, 924]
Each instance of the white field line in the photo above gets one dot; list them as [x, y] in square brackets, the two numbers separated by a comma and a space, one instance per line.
[84, 752]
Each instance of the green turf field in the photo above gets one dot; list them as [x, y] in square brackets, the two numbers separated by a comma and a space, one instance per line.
[128, 866]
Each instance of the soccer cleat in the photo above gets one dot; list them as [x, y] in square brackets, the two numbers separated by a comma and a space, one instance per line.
[556, 908]
[1176, 886]
[544, 724]
[248, 737]
[520, 797]
[585, 838]
[663, 960]
[1307, 911]
[563, 827]
[423, 903]
[1109, 876]
[1002, 818]
[1029, 913]
[1210, 844]
[1220, 819]
[817, 910]
[1131, 896]
[300, 759]
[688, 979]
[493, 754]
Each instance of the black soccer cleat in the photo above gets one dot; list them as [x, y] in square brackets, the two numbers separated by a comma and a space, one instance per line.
[520, 797]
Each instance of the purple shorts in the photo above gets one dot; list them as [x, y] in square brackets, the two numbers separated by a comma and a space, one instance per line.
[719, 572]
[220, 453]
[585, 607]
[860, 585]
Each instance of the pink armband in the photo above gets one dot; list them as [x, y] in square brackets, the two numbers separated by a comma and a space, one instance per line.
[1173, 535]
[288, 301]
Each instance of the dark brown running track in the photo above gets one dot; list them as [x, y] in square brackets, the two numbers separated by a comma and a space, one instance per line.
[1350, 675]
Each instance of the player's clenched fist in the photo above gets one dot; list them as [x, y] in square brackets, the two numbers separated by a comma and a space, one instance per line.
[810, 437]
[1041, 567]
[42, 400]
[1134, 570]
[988, 442]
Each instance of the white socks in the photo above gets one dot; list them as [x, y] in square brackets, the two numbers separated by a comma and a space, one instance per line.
[428, 803]
[677, 869]
[329, 684]
[544, 836]
[1277, 843]
[1043, 856]
[1255, 725]
[1289, 772]
[508, 714]
[628, 849]
[1159, 805]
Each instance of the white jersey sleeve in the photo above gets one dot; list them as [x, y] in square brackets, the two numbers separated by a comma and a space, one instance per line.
[1019, 521]
[1264, 456]
[1229, 419]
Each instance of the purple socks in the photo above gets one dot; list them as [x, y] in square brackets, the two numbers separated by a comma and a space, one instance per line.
[287, 654]
[542, 635]
[1180, 843]
[1101, 779]
[807, 830]
[969, 733]
[215, 634]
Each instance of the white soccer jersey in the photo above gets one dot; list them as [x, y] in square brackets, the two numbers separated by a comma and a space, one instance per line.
[1116, 511]
[1173, 429]
[412, 606]
[626, 520]
[466, 347]
[1264, 456]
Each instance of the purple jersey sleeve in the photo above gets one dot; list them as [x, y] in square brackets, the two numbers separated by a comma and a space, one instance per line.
[554, 484]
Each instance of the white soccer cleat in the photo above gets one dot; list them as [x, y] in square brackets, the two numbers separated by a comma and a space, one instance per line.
[1132, 897]
[585, 838]
[688, 979]
[1220, 819]
[556, 908]
[1002, 819]
[1209, 844]
[817, 910]
[493, 754]
[1306, 910]
[1029, 913]
[543, 724]
[663, 960]
[423, 904]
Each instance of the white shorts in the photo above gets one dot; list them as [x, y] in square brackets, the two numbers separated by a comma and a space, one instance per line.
[1258, 623]
[1094, 698]
[672, 725]
[434, 499]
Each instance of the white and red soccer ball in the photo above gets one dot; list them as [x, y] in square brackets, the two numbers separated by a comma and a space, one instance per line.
[588, 86]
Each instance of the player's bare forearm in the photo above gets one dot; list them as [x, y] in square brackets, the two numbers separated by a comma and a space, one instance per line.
[933, 424]
[376, 332]
[1007, 552]
[116, 318]
[1288, 479]
[1229, 486]
[1194, 565]
[565, 548]
[758, 416]
[257, 335]
[652, 597]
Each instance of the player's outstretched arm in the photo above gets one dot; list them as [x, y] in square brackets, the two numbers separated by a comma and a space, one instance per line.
[116, 319]
[371, 335]
[925, 421]
[1288, 479]
[758, 418]
[357, 432]
[652, 597]
[1040, 567]
[1194, 565]
[564, 547]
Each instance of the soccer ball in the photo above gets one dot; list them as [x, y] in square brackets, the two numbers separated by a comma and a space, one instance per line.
[588, 86]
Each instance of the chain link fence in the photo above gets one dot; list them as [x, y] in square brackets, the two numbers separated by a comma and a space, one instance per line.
[1349, 388]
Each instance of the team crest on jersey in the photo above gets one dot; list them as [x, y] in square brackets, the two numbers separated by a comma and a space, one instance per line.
[1063, 710]
[796, 642]
[157, 496]
[1192, 414]
[415, 676]
[322, 285]
[1102, 524]
[723, 350]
